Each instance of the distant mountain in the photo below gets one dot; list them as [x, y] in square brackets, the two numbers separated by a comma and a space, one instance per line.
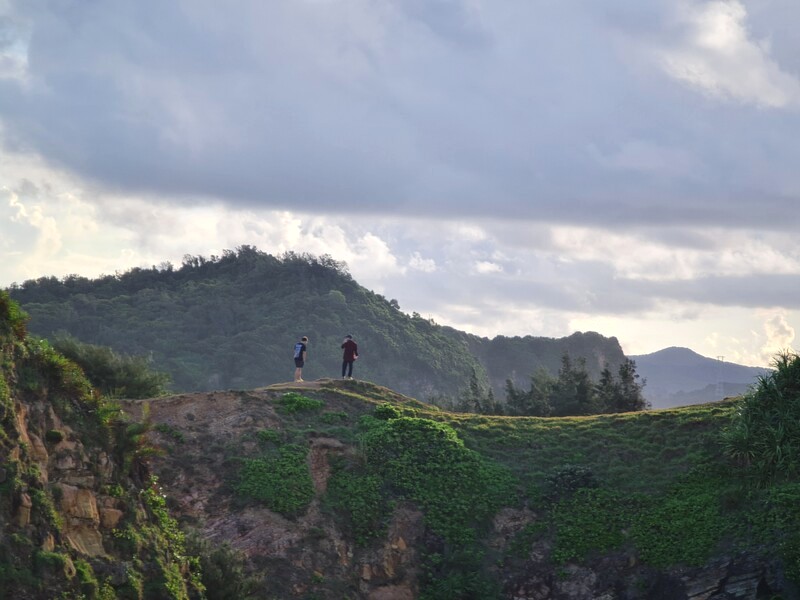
[231, 321]
[679, 377]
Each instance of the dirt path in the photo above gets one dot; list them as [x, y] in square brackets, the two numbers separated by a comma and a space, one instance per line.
[301, 385]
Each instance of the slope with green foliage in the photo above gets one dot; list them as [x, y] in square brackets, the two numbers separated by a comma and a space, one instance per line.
[231, 322]
[80, 517]
[647, 502]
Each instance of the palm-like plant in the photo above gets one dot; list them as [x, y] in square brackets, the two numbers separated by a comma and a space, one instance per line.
[764, 435]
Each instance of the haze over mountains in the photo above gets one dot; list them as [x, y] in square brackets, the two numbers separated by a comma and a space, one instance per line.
[231, 321]
[680, 376]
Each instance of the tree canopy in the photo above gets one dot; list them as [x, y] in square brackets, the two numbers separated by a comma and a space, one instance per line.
[231, 321]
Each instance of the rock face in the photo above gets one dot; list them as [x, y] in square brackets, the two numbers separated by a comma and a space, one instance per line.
[612, 578]
[292, 554]
[67, 469]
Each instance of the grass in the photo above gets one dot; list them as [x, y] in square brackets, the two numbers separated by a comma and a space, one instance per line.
[625, 451]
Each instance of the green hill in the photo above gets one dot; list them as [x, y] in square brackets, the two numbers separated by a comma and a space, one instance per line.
[230, 322]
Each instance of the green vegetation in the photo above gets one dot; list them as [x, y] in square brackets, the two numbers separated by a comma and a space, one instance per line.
[223, 571]
[360, 498]
[230, 321]
[670, 489]
[572, 392]
[425, 461]
[764, 436]
[53, 389]
[293, 402]
[685, 525]
[115, 375]
[655, 485]
[280, 479]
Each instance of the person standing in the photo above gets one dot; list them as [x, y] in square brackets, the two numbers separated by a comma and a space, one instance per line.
[349, 357]
[300, 353]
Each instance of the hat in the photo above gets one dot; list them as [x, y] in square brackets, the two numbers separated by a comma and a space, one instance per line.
[304, 339]
[349, 336]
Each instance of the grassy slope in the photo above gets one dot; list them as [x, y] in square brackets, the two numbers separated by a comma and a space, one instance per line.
[634, 452]
[664, 491]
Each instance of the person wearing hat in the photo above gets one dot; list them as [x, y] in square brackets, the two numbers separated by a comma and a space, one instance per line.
[350, 355]
[300, 352]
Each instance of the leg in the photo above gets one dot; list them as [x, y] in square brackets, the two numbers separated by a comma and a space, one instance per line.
[344, 368]
[350, 369]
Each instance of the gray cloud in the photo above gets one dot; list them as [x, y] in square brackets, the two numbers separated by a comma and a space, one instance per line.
[751, 291]
[539, 112]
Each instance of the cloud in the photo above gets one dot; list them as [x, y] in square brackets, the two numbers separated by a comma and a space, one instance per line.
[427, 108]
[426, 265]
[505, 167]
[779, 335]
[719, 58]
[484, 266]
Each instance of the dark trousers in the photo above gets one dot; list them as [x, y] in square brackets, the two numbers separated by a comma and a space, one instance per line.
[347, 367]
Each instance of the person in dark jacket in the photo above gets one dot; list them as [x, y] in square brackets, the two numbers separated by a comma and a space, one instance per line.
[300, 353]
[349, 357]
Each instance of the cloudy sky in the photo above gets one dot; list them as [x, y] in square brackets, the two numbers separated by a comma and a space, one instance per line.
[505, 167]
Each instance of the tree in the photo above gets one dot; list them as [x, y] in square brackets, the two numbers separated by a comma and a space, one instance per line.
[573, 392]
[630, 397]
[536, 401]
[607, 391]
[115, 375]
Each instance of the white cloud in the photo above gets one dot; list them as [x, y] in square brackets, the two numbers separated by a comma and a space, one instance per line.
[484, 266]
[779, 334]
[417, 263]
[719, 57]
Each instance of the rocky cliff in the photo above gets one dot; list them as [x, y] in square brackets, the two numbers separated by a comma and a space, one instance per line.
[79, 517]
[315, 552]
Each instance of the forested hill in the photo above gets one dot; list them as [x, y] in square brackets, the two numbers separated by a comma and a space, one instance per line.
[230, 322]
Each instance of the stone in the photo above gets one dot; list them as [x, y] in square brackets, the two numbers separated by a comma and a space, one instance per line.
[110, 517]
[24, 510]
[48, 543]
[391, 592]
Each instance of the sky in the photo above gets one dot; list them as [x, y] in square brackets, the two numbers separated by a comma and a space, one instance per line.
[521, 167]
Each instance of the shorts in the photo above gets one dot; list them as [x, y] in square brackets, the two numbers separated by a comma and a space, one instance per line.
[298, 362]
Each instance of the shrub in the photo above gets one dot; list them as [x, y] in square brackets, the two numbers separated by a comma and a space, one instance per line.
[87, 579]
[682, 527]
[588, 520]
[12, 317]
[115, 375]
[359, 497]
[764, 435]
[54, 436]
[223, 570]
[292, 402]
[270, 436]
[387, 411]
[425, 461]
[280, 480]
[567, 480]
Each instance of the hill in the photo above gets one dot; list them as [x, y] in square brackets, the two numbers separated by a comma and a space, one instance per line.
[342, 489]
[679, 377]
[230, 322]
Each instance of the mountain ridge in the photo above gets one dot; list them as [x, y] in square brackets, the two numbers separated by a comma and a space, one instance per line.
[231, 321]
[680, 376]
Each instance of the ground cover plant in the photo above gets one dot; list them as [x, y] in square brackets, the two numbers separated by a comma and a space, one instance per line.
[655, 483]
